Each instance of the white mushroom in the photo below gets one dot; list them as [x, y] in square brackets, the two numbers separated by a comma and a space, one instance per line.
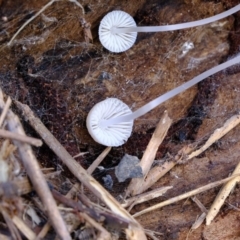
[118, 30]
[110, 121]
[112, 135]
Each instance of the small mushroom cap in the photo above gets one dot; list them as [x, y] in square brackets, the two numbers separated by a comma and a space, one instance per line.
[117, 42]
[114, 135]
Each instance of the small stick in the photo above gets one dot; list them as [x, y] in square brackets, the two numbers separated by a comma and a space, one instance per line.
[27, 232]
[34, 172]
[222, 195]
[185, 195]
[98, 160]
[135, 231]
[159, 134]
[199, 221]
[22, 138]
[4, 111]
[145, 196]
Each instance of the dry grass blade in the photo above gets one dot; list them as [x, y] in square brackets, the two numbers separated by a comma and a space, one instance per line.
[185, 195]
[98, 160]
[135, 186]
[202, 217]
[135, 231]
[22, 138]
[199, 204]
[222, 195]
[199, 221]
[33, 171]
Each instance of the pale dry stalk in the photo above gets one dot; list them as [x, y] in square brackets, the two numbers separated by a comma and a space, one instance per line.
[185, 195]
[222, 195]
[135, 186]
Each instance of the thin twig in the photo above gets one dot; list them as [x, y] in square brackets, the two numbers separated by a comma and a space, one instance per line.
[135, 186]
[98, 160]
[222, 195]
[135, 232]
[35, 174]
[30, 20]
[37, 14]
[200, 218]
[22, 138]
[184, 195]
[27, 232]
[104, 234]
[4, 111]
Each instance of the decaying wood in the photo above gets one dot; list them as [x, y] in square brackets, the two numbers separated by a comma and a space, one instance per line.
[222, 195]
[33, 171]
[135, 186]
[135, 231]
[185, 195]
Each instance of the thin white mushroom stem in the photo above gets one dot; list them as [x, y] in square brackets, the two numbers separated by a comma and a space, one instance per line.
[217, 17]
[157, 101]
[118, 30]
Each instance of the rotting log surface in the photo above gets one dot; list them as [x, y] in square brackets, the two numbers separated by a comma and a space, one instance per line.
[51, 69]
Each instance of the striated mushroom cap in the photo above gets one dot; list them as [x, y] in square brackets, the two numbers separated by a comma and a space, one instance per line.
[117, 42]
[114, 135]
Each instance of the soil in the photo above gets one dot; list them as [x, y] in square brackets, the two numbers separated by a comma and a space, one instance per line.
[52, 68]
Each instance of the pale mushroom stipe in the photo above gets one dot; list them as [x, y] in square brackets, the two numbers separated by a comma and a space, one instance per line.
[118, 30]
[110, 122]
